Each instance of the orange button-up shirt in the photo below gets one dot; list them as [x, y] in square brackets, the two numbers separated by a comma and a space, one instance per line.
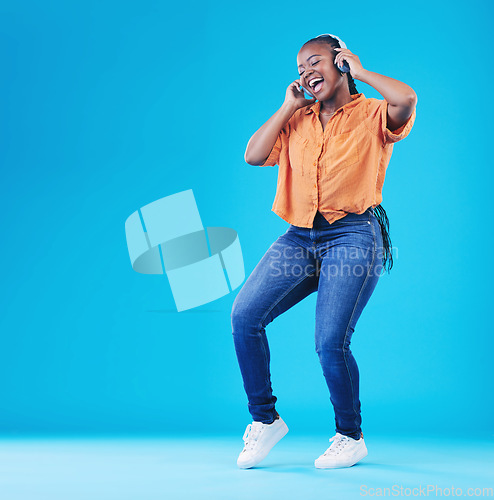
[337, 170]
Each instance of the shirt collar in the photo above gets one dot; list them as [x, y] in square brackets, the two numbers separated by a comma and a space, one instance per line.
[356, 99]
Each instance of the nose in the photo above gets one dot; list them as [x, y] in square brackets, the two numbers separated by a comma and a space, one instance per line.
[307, 76]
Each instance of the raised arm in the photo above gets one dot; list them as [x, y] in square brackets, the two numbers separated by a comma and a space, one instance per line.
[401, 98]
[261, 143]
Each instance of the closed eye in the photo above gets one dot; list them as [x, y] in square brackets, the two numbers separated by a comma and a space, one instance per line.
[313, 64]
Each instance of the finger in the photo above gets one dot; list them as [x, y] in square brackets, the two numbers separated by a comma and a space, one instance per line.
[345, 52]
[342, 58]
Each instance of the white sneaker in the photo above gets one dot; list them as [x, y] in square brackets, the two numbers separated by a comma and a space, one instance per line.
[259, 438]
[343, 452]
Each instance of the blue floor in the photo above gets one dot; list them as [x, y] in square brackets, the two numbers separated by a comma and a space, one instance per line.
[205, 468]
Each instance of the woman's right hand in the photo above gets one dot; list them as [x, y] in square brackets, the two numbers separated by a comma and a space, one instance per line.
[295, 96]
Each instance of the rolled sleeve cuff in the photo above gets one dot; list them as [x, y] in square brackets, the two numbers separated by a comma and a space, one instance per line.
[400, 133]
[274, 156]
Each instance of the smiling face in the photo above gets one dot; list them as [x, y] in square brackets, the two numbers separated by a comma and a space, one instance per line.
[316, 61]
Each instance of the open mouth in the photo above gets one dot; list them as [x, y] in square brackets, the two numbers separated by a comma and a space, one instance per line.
[316, 84]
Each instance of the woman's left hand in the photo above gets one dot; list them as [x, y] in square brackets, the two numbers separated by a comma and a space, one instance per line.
[352, 59]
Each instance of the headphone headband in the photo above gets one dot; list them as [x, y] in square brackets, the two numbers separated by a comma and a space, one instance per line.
[342, 43]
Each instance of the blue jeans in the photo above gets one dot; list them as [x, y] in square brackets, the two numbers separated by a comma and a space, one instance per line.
[342, 261]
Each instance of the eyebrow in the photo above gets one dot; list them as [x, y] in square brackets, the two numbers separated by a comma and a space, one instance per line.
[313, 55]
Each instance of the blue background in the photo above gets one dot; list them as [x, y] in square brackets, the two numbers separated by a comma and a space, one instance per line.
[108, 106]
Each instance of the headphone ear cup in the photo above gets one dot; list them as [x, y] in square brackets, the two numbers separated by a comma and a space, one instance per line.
[307, 92]
[344, 69]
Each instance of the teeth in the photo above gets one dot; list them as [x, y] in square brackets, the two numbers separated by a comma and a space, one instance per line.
[315, 81]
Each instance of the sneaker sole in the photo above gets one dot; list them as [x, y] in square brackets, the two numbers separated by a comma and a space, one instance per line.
[275, 438]
[356, 459]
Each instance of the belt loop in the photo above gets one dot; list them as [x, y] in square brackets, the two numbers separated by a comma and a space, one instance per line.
[371, 213]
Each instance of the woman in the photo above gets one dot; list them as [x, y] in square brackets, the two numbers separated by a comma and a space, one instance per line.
[332, 155]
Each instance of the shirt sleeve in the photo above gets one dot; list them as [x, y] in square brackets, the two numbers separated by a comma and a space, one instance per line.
[274, 157]
[377, 123]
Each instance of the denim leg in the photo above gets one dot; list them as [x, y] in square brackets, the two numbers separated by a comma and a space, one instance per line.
[349, 273]
[285, 275]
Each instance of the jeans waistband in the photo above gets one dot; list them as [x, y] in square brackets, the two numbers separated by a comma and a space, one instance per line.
[319, 219]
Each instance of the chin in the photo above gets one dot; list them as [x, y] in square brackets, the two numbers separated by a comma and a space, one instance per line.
[326, 95]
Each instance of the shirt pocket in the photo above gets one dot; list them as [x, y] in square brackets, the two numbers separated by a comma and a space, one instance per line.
[343, 152]
[297, 151]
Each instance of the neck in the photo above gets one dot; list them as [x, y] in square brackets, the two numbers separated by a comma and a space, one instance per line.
[334, 102]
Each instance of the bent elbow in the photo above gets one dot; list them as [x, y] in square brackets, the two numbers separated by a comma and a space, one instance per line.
[248, 159]
[252, 161]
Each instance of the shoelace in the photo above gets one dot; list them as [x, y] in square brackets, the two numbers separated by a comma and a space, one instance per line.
[251, 434]
[338, 443]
